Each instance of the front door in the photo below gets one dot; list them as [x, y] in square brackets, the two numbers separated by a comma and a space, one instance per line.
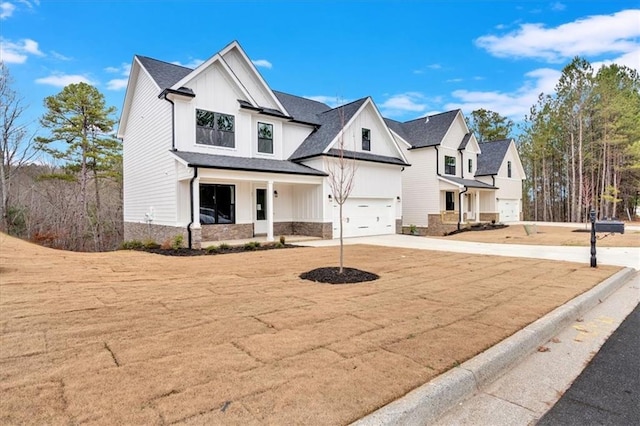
[260, 221]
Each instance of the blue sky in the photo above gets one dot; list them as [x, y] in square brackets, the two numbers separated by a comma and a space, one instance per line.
[412, 57]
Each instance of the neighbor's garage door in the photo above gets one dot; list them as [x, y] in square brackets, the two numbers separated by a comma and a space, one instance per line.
[509, 210]
[365, 216]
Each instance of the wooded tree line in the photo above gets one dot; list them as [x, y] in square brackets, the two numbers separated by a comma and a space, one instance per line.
[581, 146]
[77, 205]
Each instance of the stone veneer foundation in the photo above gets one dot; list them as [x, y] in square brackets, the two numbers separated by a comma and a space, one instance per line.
[156, 233]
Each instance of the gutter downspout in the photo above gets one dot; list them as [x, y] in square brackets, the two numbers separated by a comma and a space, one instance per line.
[437, 160]
[189, 236]
[460, 206]
[173, 126]
[461, 163]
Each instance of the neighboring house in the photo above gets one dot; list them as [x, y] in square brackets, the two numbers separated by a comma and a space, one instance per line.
[213, 153]
[452, 181]
[499, 165]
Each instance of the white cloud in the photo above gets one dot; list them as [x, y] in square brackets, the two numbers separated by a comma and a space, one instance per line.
[6, 10]
[455, 80]
[262, 63]
[60, 56]
[558, 7]
[193, 63]
[17, 53]
[403, 103]
[119, 83]
[62, 80]
[514, 104]
[593, 35]
[29, 4]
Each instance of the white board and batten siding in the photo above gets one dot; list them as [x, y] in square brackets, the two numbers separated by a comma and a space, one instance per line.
[149, 169]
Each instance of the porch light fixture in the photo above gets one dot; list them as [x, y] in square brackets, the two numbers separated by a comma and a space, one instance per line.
[275, 194]
[329, 197]
[398, 198]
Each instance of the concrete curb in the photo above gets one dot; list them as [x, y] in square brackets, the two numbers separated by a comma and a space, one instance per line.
[427, 403]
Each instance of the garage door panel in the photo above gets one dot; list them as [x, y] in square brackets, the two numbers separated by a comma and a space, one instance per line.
[509, 210]
[362, 217]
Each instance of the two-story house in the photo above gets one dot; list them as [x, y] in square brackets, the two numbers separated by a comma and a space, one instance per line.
[454, 180]
[213, 153]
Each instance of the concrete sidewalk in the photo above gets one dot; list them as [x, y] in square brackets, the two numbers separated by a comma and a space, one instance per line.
[618, 256]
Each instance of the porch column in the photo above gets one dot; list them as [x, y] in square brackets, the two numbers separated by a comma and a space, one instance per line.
[270, 210]
[461, 206]
[477, 206]
[195, 197]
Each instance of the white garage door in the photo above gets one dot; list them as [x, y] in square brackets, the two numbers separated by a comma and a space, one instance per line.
[509, 210]
[365, 216]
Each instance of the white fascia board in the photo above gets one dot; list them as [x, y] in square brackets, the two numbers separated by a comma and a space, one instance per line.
[136, 66]
[236, 45]
[516, 154]
[450, 182]
[400, 138]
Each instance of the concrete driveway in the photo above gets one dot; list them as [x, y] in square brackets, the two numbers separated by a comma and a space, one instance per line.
[618, 256]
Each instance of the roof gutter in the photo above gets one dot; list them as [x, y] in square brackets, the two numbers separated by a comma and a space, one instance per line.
[189, 233]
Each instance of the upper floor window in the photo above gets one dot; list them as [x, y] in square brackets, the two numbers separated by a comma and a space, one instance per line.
[366, 139]
[215, 128]
[449, 165]
[470, 165]
[508, 168]
[265, 138]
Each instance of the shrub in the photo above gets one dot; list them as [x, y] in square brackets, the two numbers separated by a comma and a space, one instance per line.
[131, 245]
[224, 246]
[252, 245]
[282, 240]
[279, 244]
[211, 249]
[150, 244]
[177, 242]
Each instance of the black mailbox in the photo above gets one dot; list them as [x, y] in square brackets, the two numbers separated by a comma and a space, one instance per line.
[610, 226]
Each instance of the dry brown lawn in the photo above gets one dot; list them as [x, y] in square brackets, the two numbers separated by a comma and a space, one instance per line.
[548, 236]
[137, 338]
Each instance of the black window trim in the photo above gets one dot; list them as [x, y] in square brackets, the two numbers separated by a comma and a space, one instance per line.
[259, 138]
[450, 169]
[366, 142]
[217, 114]
[216, 211]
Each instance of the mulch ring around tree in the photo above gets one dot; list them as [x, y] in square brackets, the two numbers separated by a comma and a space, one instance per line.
[332, 275]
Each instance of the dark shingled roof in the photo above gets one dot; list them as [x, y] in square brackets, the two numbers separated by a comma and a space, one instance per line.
[302, 109]
[465, 141]
[164, 73]
[469, 183]
[366, 156]
[424, 131]
[331, 123]
[211, 161]
[491, 156]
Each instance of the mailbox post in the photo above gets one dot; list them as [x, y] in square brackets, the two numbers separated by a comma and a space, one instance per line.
[592, 217]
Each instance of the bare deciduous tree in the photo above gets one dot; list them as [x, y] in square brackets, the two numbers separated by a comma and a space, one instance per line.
[16, 149]
[342, 171]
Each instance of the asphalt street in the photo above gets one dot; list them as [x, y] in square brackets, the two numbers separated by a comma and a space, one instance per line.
[608, 390]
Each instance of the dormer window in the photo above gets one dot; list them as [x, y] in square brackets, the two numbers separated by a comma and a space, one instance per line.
[265, 138]
[366, 139]
[215, 128]
[449, 165]
[470, 165]
[508, 168]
